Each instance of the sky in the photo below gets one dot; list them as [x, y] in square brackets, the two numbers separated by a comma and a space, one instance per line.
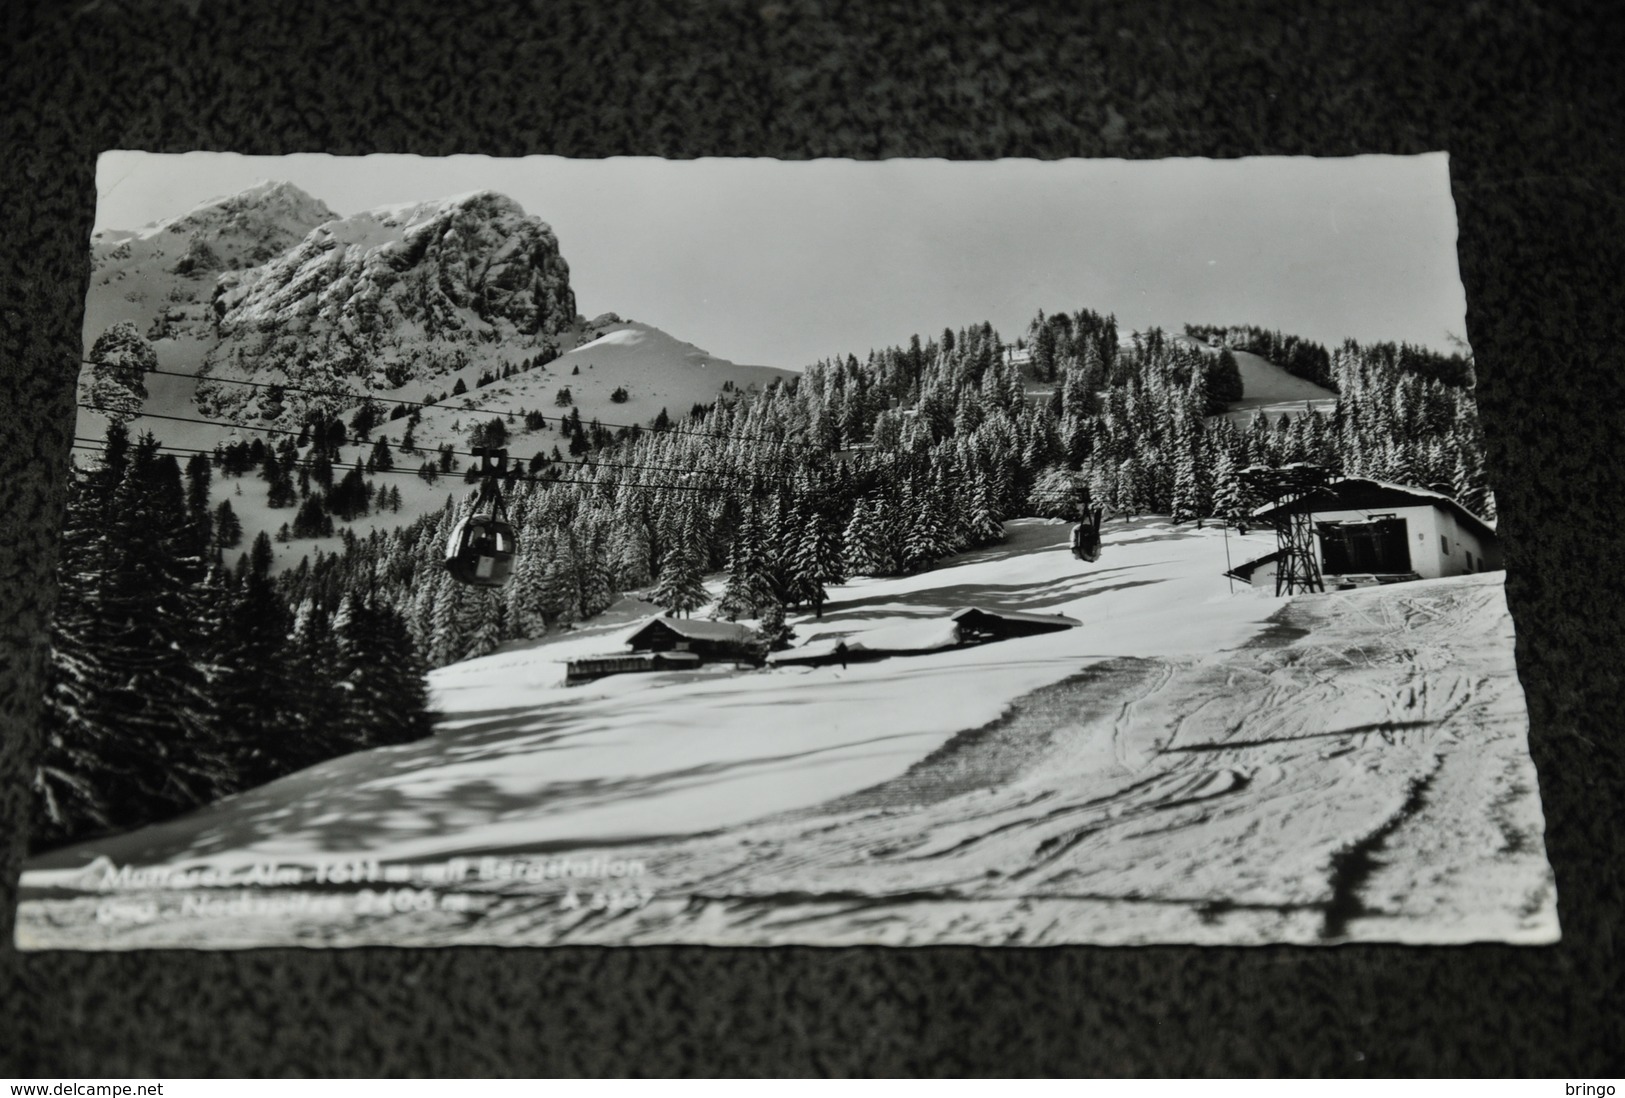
[782, 263]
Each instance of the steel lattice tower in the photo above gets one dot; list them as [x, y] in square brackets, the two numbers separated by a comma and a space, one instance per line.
[1298, 570]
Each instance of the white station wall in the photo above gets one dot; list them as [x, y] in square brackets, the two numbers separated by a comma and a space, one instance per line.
[1439, 545]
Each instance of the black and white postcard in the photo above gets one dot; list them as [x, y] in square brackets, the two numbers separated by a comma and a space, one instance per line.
[750, 552]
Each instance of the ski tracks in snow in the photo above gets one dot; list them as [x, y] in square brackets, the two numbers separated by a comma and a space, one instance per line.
[1339, 779]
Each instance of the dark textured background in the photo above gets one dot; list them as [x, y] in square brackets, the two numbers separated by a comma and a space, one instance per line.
[1525, 98]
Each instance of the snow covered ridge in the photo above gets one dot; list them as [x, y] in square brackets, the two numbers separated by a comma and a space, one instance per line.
[229, 232]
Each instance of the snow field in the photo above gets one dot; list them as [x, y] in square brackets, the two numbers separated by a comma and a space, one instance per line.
[1189, 765]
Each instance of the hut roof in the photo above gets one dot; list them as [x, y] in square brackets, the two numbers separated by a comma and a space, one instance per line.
[693, 629]
[1245, 570]
[1022, 617]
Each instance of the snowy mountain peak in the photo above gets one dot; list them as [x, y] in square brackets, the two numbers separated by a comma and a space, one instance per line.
[224, 233]
[481, 201]
[407, 292]
[269, 208]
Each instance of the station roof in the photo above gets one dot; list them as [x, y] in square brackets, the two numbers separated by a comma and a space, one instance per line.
[1361, 494]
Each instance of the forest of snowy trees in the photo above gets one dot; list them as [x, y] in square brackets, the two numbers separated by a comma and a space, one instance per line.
[177, 678]
[175, 681]
[886, 466]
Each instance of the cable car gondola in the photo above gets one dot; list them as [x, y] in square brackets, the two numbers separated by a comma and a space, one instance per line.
[1086, 537]
[482, 547]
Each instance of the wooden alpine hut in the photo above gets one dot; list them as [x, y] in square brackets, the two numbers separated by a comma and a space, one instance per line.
[709, 640]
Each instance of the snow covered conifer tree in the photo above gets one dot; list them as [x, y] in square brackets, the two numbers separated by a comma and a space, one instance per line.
[1103, 482]
[255, 683]
[1260, 441]
[817, 559]
[129, 676]
[1467, 483]
[386, 701]
[926, 540]
[526, 597]
[985, 526]
[82, 746]
[774, 631]
[1131, 493]
[597, 582]
[1229, 494]
[629, 550]
[1186, 504]
[561, 581]
[861, 553]
[446, 643]
[316, 719]
[1400, 463]
[680, 588]
[479, 615]
[739, 595]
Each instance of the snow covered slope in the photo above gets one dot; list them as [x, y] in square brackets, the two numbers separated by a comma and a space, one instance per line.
[1188, 765]
[656, 370]
[1267, 388]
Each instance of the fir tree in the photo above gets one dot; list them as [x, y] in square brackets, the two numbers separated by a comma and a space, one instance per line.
[561, 586]
[1229, 493]
[314, 703]
[228, 529]
[681, 587]
[257, 681]
[630, 554]
[386, 700]
[479, 625]
[817, 560]
[382, 458]
[983, 526]
[1186, 504]
[859, 541]
[774, 633]
[131, 726]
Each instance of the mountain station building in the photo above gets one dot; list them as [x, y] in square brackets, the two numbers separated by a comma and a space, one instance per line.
[1371, 531]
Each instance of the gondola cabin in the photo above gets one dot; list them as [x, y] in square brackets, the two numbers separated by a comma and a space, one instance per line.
[1086, 537]
[481, 550]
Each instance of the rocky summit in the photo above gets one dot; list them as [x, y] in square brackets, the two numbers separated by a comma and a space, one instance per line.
[239, 230]
[393, 295]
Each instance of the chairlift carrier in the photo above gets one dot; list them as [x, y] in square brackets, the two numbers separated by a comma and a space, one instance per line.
[482, 547]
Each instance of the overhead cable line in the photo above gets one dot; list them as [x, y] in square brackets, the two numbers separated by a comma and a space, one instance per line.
[93, 445]
[234, 425]
[351, 395]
